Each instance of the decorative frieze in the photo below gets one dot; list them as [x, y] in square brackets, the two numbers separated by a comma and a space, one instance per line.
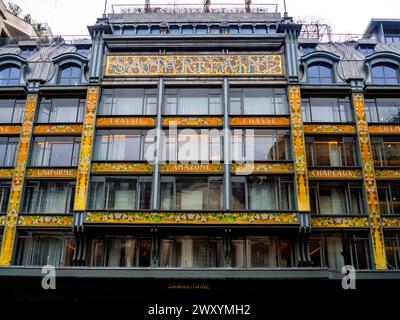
[49, 221]
[191, 168]
[121, 167]
[257, 167]
[10, 129]
[391, 222]
[124, 122]
[194, 65]
[332, 174]
[192, 121]
[59, 129]
[329, 129]
[233, 218]
[339, 222]
[6, 173]
[382, 129]
[259, 121]
[62, 173]
[387, 174]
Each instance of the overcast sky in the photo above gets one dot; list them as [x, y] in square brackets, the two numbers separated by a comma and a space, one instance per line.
[71, 17]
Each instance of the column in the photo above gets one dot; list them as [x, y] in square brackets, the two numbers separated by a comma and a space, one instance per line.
[85, 155]
[227, 148]
[18, 180]
[156, 168]
[370, 187]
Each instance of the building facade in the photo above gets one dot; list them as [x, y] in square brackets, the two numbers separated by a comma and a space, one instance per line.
[293, 164]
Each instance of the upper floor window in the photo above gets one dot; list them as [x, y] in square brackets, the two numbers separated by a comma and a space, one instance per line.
[122, 145]
[366, 50]
[257, 101]
[233, 29]
[260, 145]
[83, 51]
[327, 110]
[389, 197]
[247, 29]
[307, 48]
[128, 102]
[191, 252]
[70, 75]
[187, 29]
[336, 198]
[201, 29]
[61, 110]
[174, 29]
[334, 251]
[382, 110]
[261, 252]
[40, 249]
[5, 187]
[11, 110]
[392, 246]
[142, 30]
[155, 30]
[49, 197]
[192, 145]
[205, 101]
[55, 151]
[10, 76]
[261, 29]
[120, 193]
[214, 29]
[262, 193]
[386, 151]
[27, 52]
[8, 151]
[392, 35]
[385, 74]
[128, 31]
[331, 151]
[320, 74]
[191, 193]
[120, 251]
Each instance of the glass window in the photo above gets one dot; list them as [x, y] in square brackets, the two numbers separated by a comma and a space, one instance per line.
[366, 50]
[128, 31]
[61, 110]
[5, 187]
[320, 74]
[117, 30]
[187, 29]
[205, 101]
[233, 29]
[392, 34]
[327, 110]
[262, 193]
[261, 29]
[190, 145]
[120, 193]
[386, 151]
[123, 145]
[257, 101]
[191, 252]
[142, 30]
[83, 51]
[49, 197]
[191, 193]
[307, 48]
[174, 30]
[27, 52]
[392, 246]
[261, 252]
[382, 110]
[385, 74]
[120, 251]
[247, 29]
[336, 198]
[9, 76]
[55, 151]
[41, 248]
[334, 251]
[331, 152]
[260, 145]
[8, 151]
[155, 30]
[201, 30]
[214, 29]
[128, 102]
[70, 75]
[11, 110]
[389, 197]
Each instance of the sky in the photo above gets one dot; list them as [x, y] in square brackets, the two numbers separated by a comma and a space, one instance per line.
[71, 17]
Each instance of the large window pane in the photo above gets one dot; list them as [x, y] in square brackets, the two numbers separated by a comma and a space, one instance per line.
[327, 110]
[5, 188]
[49, 197]
[61, 110]
[195, 193]
[11, 111]
[55, 151]
[120, 193]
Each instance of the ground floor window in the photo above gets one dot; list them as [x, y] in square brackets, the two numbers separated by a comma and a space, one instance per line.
[334, 251]
[45, 248]
[392, 245]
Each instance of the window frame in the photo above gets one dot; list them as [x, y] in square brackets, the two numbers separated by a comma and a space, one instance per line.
[69, 80]
[8, 80]
[51, 101]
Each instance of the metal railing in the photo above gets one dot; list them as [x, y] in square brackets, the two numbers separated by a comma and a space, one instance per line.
[196, 8]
